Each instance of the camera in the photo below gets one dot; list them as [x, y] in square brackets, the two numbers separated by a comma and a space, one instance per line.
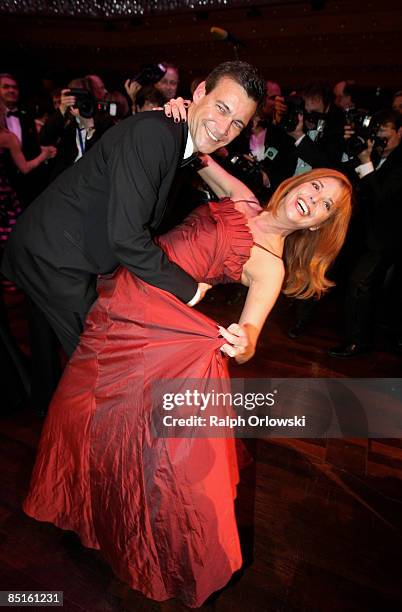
[365, 130]
[88, 105]
[150, 74]
[110, 108]
[359, 119]
[249, 170]
[295, 106]
[315, 120]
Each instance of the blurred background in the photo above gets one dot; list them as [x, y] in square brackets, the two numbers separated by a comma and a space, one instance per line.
[290, 41]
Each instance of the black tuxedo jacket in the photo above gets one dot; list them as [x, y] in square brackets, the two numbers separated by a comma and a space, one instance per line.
[380, 199]
[30, 140]
[100, 213]
[325, 152]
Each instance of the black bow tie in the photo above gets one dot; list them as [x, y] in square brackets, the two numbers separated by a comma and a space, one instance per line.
[13, 113]
[188, 160]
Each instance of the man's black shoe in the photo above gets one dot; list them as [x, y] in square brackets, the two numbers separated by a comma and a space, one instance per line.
[297, 330]
[349, 350]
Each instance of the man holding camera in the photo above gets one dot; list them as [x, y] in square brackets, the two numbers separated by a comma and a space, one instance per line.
[103, 211]
[379, 188]
[305, 132]
[314, 127]
[164, 78]
[78, 123]
[308, 133]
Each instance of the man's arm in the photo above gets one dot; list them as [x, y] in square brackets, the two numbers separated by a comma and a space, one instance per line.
[382, 187]
[382, 193]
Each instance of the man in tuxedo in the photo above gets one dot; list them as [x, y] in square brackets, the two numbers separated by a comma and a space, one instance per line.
[317, 139]
[379, 194]
[103, 211]
[23, 126]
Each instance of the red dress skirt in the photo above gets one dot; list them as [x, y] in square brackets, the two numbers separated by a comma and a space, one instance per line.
[161, 510]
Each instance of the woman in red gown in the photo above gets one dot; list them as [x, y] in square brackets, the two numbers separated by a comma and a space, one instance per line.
[161, 510]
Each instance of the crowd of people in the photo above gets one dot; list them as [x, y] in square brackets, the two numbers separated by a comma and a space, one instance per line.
[128, 219]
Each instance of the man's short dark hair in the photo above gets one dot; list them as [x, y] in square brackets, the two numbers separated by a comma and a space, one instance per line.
[149, 93]
[388, 116]
[320, 89]
[355, 92]
[242, 73]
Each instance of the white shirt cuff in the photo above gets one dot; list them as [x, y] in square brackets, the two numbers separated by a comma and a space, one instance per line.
[298, 141]
[364, 169]
[195, 299]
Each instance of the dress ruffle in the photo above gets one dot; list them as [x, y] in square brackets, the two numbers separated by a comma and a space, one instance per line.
[234, 240]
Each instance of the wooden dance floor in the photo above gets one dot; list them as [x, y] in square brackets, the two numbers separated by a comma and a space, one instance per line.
[320, 520]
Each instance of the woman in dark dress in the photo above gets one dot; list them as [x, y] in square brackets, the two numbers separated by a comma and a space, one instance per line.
[15, 387]
[9, 205]
[161, 510]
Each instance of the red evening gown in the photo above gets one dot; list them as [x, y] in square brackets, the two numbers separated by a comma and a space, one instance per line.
[161, 510]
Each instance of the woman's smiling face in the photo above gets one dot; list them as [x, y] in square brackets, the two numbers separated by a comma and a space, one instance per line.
[311, 203]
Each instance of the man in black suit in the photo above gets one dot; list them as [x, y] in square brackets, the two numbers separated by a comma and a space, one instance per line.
[380, 197]
[23, 126]
[316, 141]
[103, 211]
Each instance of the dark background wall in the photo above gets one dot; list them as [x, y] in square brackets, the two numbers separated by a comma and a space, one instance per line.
[289, 41]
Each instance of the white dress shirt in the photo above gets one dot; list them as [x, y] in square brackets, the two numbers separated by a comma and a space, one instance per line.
[14, 126]
[188, 151]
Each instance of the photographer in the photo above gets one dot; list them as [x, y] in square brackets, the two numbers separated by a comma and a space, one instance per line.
[76, 125]
[307, 133]
[160, 77]
[379, 190]
[73, 134]
[246, 159]
[314, 125]
[346, 94]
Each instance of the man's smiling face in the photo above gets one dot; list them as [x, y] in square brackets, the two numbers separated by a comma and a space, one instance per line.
[215, 119]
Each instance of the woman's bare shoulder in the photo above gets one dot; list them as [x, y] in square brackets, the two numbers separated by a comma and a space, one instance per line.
[7, 139]
[263, 267]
